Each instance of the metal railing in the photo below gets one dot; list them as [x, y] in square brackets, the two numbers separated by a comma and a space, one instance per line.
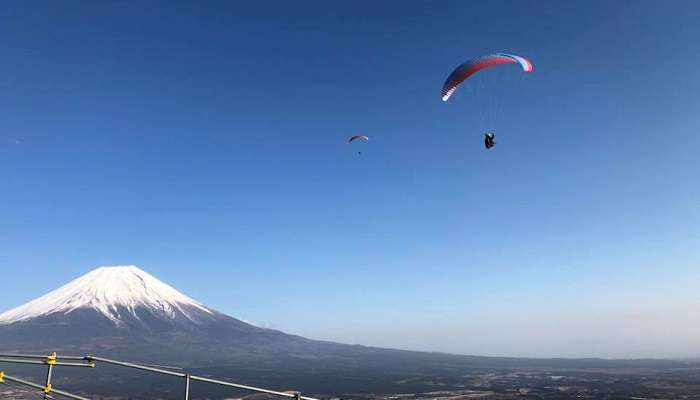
[52, 361]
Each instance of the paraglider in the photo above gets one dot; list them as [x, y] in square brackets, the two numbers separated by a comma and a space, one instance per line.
[469, 68]
[489, 140]
[362, 138]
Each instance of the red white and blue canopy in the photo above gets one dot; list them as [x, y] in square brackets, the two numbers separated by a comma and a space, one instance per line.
[469, 68]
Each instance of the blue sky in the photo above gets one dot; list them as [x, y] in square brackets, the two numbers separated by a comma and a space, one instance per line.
[206, 144]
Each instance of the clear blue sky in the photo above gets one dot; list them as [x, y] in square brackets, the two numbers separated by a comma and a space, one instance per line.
[206, 144]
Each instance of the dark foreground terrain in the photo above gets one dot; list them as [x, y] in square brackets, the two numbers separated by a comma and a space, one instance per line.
[680, 381]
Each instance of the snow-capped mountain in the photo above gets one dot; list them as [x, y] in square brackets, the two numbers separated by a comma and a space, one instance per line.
[110, 291]
[124, 311]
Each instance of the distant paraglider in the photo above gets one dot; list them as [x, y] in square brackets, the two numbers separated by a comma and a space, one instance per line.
[361, 138]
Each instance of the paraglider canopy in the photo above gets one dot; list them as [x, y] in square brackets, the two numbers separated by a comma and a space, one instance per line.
[469, 68]
[358, 137]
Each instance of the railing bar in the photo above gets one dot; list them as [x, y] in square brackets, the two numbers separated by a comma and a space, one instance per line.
[37, 386]
[136, 366]
[43, 357]
[18, 361]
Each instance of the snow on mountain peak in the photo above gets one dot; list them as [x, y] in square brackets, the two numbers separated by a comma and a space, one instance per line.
[108, 290]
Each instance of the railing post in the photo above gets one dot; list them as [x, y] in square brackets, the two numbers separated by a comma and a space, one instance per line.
[50, 361]
[187, 387]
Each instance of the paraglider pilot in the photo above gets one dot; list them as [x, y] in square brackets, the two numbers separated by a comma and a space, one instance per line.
[489, 140]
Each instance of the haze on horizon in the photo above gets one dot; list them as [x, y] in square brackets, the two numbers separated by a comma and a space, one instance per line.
[207, 145]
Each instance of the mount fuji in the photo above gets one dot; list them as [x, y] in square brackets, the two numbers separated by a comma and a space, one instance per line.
[115, 293]
[127, 313]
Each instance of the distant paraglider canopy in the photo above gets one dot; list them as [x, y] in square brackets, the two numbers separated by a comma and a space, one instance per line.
[358, 137]
[469, 68]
